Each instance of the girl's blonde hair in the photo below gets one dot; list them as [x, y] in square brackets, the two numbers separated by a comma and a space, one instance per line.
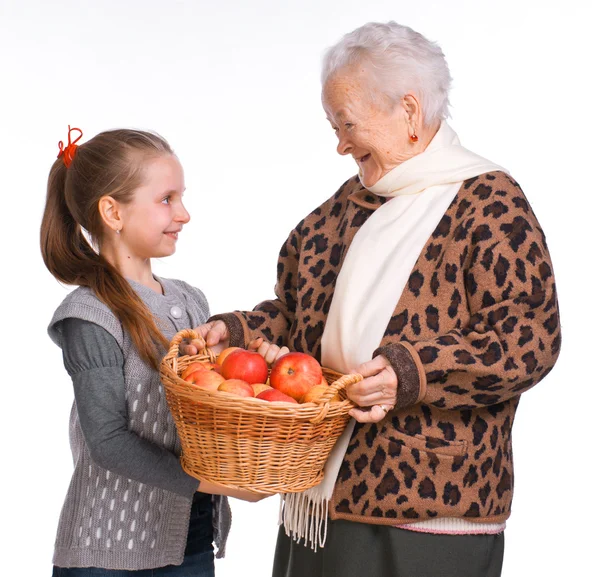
[110, 164]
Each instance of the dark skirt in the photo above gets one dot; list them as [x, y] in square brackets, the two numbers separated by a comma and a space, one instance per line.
[362, 550]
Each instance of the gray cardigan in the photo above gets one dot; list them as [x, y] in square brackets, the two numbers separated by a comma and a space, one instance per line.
[109, 520]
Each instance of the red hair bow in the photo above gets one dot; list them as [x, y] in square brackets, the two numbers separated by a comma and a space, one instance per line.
[68, 152]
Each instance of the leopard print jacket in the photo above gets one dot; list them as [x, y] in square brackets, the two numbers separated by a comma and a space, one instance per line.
[476, 326]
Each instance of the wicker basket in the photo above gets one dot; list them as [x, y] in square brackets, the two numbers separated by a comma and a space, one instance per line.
[249, 443]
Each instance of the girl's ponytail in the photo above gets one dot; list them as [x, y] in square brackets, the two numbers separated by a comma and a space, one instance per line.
[104, 165]
[66, 253]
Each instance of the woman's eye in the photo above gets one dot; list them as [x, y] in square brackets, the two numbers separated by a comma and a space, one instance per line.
[348, 126]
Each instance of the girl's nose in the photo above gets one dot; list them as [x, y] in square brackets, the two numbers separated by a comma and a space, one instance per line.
[183, 215]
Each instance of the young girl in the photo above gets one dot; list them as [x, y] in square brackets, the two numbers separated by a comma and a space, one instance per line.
[130, 507]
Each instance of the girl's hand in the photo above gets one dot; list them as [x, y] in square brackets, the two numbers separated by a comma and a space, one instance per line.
[243, 494]
[377, 391]
[214, 334]
[269, 351]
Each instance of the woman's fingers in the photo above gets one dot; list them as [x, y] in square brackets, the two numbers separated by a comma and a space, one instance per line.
[378, 388]
[372, 415]
[282, 351]
[373, 367]
[215, 333]
[255, 344]
[269, 351]
[187, 348]
[273, 352]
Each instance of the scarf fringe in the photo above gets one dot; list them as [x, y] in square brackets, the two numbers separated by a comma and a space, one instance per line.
[304, 516]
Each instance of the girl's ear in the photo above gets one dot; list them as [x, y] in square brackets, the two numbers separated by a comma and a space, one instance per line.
[110, 213]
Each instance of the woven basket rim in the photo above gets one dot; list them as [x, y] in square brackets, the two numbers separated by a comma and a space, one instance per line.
[249, 405]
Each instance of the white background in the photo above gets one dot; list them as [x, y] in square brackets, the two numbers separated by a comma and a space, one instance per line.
[234, 87]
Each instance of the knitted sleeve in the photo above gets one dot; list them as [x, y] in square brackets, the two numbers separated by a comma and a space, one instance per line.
[512, 339]
[271, 319]
[94, 361]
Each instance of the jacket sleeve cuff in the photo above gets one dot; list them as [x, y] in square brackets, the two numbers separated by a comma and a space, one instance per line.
[235, 326]
[412, 381]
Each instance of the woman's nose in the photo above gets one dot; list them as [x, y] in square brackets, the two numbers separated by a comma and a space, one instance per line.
[344, 146]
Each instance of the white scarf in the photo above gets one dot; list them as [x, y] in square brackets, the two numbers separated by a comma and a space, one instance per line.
[370, 283]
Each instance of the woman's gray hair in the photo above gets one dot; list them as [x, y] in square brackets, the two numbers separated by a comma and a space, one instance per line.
[401, 61]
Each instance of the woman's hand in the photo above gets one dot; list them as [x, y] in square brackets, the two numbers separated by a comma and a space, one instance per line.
[269, 351]
[243, 494]
[376, 392]
[214, 335]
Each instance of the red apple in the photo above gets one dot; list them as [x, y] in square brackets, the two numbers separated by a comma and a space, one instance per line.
[199, 366]
[273, 395]
[225, 353]
[204, 379]
[245, 365]
[237, 387]
[293, 374]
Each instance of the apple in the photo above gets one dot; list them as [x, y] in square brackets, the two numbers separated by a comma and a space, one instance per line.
[273, 395]
[316, 392]
[259, 388]
[245, 365]
[237, 387]
[324, 382]
[199, 366]
[204, 379]
[295, 373]
[225, 353]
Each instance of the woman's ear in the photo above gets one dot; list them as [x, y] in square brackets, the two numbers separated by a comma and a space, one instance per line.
[110, 213]
[413, 111]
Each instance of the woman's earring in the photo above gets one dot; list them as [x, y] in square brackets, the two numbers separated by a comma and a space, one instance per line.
[118, 231]
[414, 137]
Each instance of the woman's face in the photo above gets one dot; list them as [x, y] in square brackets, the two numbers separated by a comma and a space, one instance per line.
[374, 132]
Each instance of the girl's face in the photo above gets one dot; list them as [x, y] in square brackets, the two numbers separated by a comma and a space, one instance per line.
[156, 215]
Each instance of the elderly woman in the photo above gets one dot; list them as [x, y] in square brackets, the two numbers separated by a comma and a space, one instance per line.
[429, 274]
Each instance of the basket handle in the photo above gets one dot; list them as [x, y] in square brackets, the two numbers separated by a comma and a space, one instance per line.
[324, 400]
[179, 337]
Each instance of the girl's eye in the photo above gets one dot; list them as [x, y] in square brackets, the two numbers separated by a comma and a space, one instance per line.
[166, 200]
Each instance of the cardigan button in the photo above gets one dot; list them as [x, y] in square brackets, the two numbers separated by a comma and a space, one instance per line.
[176, 312]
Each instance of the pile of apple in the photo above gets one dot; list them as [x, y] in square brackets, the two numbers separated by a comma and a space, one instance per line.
[295, 377]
